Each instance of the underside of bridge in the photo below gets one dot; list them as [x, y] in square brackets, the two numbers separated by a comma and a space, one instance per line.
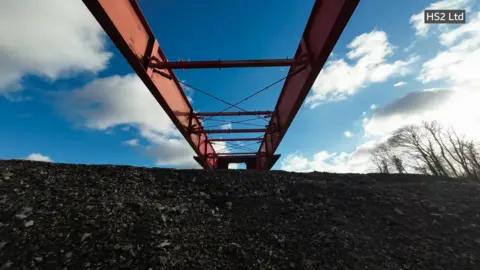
[127, 27]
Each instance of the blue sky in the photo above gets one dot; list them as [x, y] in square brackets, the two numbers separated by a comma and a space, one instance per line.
[67, 95]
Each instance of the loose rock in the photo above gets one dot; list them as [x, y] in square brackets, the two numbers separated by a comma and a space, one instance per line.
[29, 223]
[61, 216]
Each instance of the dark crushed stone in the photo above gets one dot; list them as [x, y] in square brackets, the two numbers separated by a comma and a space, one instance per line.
[57, 216]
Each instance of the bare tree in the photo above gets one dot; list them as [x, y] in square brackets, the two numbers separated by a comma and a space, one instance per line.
[380, 160]
[473, 156]
[398, 163]
[429, 149]
[436, 131]
[411, 139]
[384, 159]
[459, 147]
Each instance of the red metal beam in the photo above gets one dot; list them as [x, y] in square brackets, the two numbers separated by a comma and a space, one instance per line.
[324, 27]
[203, 114]
[251, 130]
[236, 139]
[125, 24]
[228, 64]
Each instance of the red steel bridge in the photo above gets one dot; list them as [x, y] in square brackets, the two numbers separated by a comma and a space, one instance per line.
[126, 25]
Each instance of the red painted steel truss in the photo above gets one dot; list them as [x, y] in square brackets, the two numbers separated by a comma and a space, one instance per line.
[126, 25]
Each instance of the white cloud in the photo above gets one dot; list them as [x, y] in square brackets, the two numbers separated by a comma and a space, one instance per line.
[348, 134]
[456, 109]
[340, 79]
[451, 108]
[170, 151]
[188, 90]
[417, 20]
[132, 142]
[234, 166]
[227, 126]
[364, 113]
[410, 47]
[38, 157]
[356, 162]
[364, 120]
[221, 147]
[453, 105]
[373, 107]
[457, 64]
[117, 101]
[48, 38]
[296, 163]
[400, 83]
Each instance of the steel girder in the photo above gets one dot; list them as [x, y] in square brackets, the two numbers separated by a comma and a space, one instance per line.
[127, 27]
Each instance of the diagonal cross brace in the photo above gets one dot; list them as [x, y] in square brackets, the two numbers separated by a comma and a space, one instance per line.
[125, 24]
[127, 27]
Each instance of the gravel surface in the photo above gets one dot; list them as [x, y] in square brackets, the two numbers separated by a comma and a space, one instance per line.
[59, 216]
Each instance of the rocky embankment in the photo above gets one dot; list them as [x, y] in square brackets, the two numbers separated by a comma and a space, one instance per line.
[60, 216]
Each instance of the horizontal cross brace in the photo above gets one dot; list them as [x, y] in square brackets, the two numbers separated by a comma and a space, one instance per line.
[236, 140]
[227, 64]
[238, 154]
[208, 131]
[202, 114]
[129, 30]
